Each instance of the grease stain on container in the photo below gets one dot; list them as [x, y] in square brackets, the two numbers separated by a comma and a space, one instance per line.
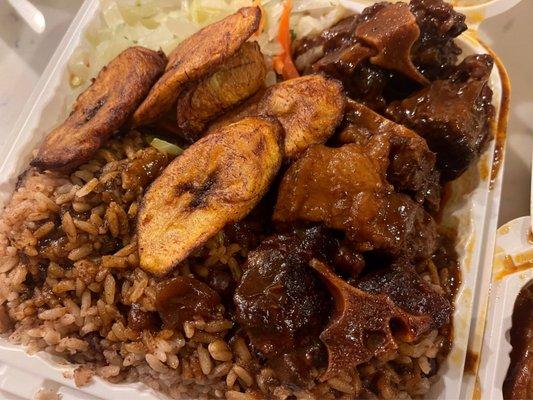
[471, 362]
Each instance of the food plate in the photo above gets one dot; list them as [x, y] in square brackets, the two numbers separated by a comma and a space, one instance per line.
[506, 284]
[472, 210]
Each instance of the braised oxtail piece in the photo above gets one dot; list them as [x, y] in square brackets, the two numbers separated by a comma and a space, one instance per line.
[371, 51]
[359, 328]
[280, 302]
[408, 291]
[411, 167]
[346, 189]
[181, 298]
[391, 30]
[101, 110]
[435, 51]
[453, 115]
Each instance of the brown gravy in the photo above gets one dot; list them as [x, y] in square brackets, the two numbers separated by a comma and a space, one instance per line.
[518, 383]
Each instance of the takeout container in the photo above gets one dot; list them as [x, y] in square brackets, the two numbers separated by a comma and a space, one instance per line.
[472, 210]
[512, 240]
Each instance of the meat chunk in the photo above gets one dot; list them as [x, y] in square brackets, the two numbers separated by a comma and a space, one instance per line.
[343, 61]
[195, 58]
[411, 165]
[339, 54]
[359, 328]
[392, 30]
[235, 80]
[282, 305]
[518, 383]
[453, 115]
[309, 108]
[365, 51]
[181, 298]
[309, 49]
[409, 292]
[345, 189]
[439, 24]
[279, 300]
[102, 109]
[217, 180]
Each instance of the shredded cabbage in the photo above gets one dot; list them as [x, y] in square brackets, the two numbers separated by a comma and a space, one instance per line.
[162, 24]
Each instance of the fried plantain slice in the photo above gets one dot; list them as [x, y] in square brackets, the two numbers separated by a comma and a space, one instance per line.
[217, 180]
[234, 81]
[196, 57]
[102, 109]
[309, 108]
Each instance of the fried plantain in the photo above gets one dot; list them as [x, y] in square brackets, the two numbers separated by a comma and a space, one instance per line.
[217, 180]
[309, 109]
[234, 81]
[102, 109]
[195, 58]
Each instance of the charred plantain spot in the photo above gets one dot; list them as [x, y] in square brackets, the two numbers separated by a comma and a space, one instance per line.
[90, 112]
[198, 191]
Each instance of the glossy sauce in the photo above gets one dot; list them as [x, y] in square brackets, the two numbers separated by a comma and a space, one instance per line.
[500, 126]
[518, 383]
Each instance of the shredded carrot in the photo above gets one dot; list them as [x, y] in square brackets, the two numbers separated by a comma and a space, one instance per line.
[257, 3]
[283, 63]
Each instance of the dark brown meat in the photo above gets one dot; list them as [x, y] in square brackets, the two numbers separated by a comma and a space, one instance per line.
[345, 189]
[234, 81]
[411, 167]
[453, 115]
[181, 298]
[518, 383]
[360, 327]
[279, 300]
[439, 24]
[391, 31]
[343, 61]
[309, 49]
[283, 306]
[409, 291]
[293, 368]
[364, 51]
[101, 110]
[337, 53]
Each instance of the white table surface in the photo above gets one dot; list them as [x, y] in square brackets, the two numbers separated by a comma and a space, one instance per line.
[24, 55]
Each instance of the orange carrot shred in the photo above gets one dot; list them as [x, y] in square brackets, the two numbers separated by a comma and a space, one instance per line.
[283, 63]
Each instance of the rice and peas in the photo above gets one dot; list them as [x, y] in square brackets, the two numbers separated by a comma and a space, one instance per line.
[69, 269]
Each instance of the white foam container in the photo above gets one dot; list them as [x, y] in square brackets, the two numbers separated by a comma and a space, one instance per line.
[472, 209]
[506, 284]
